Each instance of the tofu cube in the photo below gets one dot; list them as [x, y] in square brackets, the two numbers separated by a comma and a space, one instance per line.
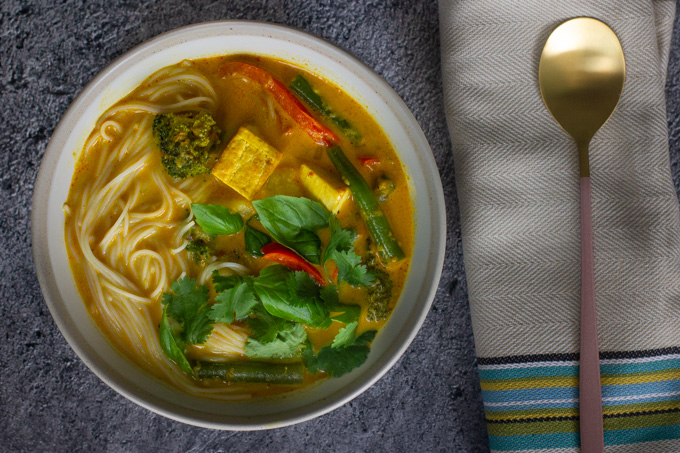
[332, 195]
[246, 163]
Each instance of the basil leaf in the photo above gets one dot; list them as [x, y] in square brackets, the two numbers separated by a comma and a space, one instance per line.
[215, 219]
[170, 345]
[273, 290]
[292, 222]
[255, 240]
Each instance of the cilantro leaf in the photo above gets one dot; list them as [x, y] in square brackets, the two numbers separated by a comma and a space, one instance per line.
[302, 286]
[338, 361]
[271, 286]
[265, 327]
[216, 219]
[233, 304]
[222, 283]
[347, 313]
[329, 295]
[285, 345]
[187, 304]
[342, 240]
[365, 337]
[350, 269]
[292, 222]
[345, 336]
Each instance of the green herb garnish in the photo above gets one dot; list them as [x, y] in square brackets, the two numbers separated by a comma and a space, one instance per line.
[215, 219]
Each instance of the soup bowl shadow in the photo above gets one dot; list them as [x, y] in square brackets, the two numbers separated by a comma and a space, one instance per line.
[214, 39]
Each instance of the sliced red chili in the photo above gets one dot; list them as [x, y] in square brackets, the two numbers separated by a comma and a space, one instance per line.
[282, 255]
[289, 103]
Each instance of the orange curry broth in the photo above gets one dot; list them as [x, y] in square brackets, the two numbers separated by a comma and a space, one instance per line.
[241, 103]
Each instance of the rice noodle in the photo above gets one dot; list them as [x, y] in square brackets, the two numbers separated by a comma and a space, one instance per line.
[126, 228]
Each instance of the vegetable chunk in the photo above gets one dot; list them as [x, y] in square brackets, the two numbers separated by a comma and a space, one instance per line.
[332, 196]
[246, 163]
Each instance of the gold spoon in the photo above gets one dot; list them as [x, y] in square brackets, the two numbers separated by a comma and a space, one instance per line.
[581, 75]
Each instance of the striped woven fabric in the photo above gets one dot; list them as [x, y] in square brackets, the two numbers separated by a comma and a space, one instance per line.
[518, 188]
[531, 402]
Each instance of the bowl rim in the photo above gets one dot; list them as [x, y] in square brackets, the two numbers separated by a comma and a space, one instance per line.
[110, 376]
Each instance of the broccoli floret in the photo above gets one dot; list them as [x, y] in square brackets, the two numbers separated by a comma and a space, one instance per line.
[186, 141]
[379, 293]
[199, 246]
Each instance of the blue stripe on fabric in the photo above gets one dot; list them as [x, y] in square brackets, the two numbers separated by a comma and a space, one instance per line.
[646, 367]
[538, 371]
[640, 389]
[534, 441]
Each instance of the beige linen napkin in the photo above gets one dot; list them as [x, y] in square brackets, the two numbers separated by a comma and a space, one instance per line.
[518, 185]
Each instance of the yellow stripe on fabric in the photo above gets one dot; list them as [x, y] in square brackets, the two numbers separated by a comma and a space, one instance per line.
[640, 378]
[529, 383]
[516, 429]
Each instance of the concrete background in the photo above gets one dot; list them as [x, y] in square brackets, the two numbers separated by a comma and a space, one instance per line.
[49, 400]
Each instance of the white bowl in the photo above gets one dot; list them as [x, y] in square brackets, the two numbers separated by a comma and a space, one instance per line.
[212, 39]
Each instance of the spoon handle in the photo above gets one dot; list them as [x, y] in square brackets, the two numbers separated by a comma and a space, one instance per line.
[590, 392]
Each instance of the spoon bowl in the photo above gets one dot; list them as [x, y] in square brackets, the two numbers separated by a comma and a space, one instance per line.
[581, 76]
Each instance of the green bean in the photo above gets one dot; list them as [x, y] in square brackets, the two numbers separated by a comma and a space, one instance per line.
[370, 210]
[250, 371]
[305, 91]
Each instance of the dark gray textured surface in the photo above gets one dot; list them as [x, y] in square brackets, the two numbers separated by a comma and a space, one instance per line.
[49, 400]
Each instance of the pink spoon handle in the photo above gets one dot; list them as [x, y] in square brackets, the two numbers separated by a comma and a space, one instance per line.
[590, 391]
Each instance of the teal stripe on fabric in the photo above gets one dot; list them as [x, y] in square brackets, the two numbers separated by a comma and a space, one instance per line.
[572, 370]
[646, 367]
[519, 373]
[500, 396]
[639, 435]
[534, 441]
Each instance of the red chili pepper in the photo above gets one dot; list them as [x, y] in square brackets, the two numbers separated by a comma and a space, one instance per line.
[289, 103]
[369, 161]
[282, 255]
